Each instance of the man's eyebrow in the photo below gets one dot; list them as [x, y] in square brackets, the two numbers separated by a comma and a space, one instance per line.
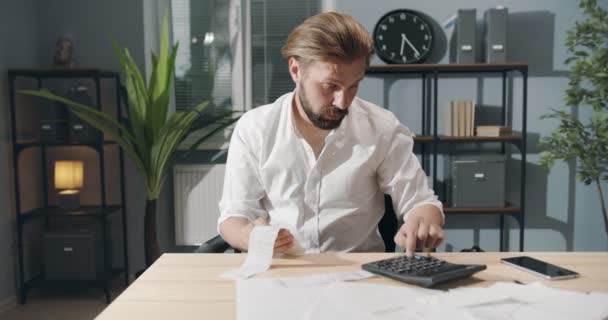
[340, 82]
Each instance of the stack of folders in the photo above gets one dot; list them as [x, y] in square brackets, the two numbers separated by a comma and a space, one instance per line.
[461, 118]
[493, 131]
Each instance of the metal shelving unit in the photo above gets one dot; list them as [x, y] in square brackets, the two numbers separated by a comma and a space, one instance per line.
[429, 139]
[99, 212]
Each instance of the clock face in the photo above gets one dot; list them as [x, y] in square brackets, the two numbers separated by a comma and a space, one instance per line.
[402, 36]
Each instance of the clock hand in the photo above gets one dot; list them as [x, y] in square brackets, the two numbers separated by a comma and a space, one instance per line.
[402, 43]
[403, 37]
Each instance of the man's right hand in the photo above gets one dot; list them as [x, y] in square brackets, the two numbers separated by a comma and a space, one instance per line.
[236, 231]
[284, 241]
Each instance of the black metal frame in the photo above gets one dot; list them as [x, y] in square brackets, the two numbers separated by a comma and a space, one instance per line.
[99, 212]
[429, 74]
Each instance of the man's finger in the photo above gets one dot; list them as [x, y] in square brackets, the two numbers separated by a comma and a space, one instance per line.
[400, 237]
[438, 236]
[422, 234]
[284, 234]
[432, 236]
[284, 247]
[411, 230]
[282, 240]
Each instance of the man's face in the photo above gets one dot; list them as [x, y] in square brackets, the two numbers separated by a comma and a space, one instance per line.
[325, 90]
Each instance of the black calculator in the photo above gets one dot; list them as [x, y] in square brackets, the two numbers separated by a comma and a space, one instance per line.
[421, 270]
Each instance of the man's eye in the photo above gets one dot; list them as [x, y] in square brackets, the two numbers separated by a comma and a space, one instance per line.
[329, 86]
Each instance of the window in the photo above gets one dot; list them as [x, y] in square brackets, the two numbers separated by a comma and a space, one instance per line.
[204, 65]
[210, 64]
[271, 23]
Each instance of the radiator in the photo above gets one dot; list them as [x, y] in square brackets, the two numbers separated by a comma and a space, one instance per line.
[198, 189]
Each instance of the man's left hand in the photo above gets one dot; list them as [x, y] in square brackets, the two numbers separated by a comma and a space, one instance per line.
[421, 229]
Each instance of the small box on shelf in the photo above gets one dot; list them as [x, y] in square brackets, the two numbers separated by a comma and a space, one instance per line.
[72, 254]
[81, 131]
[476, 180]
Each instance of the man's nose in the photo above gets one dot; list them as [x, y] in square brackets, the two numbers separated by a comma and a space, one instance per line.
[341, 100]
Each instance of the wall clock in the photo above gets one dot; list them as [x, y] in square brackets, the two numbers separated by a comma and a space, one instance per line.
[403, 36]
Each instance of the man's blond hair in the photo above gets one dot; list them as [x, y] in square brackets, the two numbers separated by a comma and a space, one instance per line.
[329, 36]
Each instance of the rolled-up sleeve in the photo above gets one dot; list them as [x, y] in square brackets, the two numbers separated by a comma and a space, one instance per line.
[243, 190]
[401, 176]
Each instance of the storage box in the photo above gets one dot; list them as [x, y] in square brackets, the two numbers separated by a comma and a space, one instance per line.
[54, 126]
[72, 255]
[81, 131]
[476, 181]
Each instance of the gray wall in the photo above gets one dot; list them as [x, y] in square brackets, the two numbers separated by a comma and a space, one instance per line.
[561, 213]
[30, 29]
[18, 36]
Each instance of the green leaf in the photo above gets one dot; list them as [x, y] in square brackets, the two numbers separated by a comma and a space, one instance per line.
[97, 119]
[172, 133]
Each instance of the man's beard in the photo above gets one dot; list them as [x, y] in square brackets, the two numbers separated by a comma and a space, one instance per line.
[317, 119]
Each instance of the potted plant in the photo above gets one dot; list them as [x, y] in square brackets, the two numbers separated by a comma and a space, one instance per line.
[586, 141]
[149, 136]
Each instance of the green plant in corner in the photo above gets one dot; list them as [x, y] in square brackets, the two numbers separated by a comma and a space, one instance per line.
[149, 135]
[587, 43]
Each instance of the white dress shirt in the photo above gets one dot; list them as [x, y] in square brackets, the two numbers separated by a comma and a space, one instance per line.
[332, 203]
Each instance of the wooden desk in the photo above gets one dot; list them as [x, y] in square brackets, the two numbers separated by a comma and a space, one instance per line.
[188, 286]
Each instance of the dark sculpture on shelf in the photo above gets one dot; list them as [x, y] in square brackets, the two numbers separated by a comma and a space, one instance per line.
[64, 53]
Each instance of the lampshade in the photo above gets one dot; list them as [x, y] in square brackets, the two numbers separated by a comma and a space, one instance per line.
[68, 174]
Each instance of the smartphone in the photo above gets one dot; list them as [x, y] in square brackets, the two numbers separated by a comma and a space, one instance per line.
[540, 268]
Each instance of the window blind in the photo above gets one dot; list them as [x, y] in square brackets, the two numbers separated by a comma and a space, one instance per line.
[203, 66]
[271, 23]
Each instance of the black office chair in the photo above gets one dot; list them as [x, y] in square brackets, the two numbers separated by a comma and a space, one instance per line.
[387, 226]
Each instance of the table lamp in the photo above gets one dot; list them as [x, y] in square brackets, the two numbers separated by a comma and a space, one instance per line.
[68, 180]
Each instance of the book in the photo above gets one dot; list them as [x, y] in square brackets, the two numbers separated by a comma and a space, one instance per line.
[460, 118]
[472, 133]
[493, 131]
[467, 117]
[454, 117]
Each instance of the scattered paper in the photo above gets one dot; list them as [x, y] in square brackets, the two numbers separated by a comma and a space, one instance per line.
[322, 279]
[325, 296]
[312, 297]
[506, 300]
[268, 299]
[366, 301]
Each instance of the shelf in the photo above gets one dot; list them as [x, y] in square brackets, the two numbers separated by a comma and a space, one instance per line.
[100, 212]
[24, 145]
[469, 138]
[465, 210]
[446, 68]
[83, 211]
[63, 73]
[429, 74]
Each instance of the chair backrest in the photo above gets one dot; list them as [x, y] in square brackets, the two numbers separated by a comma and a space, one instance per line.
[388, 224]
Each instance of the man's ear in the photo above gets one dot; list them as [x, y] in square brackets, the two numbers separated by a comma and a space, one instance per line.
[295, 70]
